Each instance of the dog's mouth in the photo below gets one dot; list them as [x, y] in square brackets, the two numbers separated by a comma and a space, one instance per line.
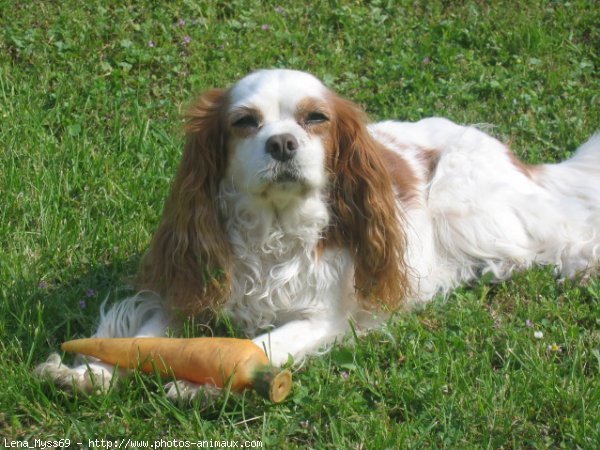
[283, 174]
[285, 181]
[287, 176]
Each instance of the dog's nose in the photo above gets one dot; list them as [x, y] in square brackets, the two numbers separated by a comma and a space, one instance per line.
[281, 147]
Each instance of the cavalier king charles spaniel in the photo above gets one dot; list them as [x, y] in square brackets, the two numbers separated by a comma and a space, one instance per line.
[299, 220]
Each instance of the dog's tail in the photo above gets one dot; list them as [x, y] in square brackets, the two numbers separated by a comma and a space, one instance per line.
[578, 177]
[588, 155]
[575, 183]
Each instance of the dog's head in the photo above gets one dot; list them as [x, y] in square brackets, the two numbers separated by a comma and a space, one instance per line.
[276, 136]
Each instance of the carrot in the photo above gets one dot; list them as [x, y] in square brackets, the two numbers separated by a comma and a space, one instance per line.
[213, 361]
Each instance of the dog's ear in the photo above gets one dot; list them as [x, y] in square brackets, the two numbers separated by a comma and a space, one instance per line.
[366, 218]
[189, 257]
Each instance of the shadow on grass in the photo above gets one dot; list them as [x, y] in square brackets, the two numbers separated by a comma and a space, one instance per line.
[49, 311]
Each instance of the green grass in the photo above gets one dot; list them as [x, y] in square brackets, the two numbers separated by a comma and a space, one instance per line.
[90, 137]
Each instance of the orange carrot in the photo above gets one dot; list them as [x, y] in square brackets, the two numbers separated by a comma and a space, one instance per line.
[213, 361]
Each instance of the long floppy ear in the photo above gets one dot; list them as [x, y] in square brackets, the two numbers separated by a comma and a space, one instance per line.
[366, 217]
[188, 260]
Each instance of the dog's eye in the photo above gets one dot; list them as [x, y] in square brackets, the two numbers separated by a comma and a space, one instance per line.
[315, 117]
[247, 121]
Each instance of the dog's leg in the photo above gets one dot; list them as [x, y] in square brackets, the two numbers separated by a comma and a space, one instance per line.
[141, 315]
[183, 390]
[300, 338]
[296, 339]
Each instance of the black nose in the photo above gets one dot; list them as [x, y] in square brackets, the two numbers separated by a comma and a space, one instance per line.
[281, 147]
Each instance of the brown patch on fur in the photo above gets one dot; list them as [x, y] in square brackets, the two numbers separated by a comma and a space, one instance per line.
[365, 218]
[430, 159]
[528, 170]
[403, 177]
[319, 249]
[188, 262]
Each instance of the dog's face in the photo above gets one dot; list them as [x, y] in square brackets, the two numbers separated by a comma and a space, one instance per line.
[279, 124]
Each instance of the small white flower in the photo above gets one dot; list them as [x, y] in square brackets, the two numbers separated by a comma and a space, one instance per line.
[538, 335]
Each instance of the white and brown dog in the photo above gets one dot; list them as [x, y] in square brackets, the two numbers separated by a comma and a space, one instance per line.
[294, 216]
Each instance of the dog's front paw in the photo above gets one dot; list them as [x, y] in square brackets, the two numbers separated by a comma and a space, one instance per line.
[94, 376]
[182, 390]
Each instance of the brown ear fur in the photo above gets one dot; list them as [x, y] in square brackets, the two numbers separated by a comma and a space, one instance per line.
[188, 260]
[366, 217]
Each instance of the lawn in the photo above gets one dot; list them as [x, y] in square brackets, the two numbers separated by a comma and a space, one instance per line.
[90, 135]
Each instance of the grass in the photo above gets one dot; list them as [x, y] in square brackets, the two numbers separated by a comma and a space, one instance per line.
[90, 94]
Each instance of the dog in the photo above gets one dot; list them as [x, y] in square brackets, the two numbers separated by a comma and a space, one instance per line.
[298, 219]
